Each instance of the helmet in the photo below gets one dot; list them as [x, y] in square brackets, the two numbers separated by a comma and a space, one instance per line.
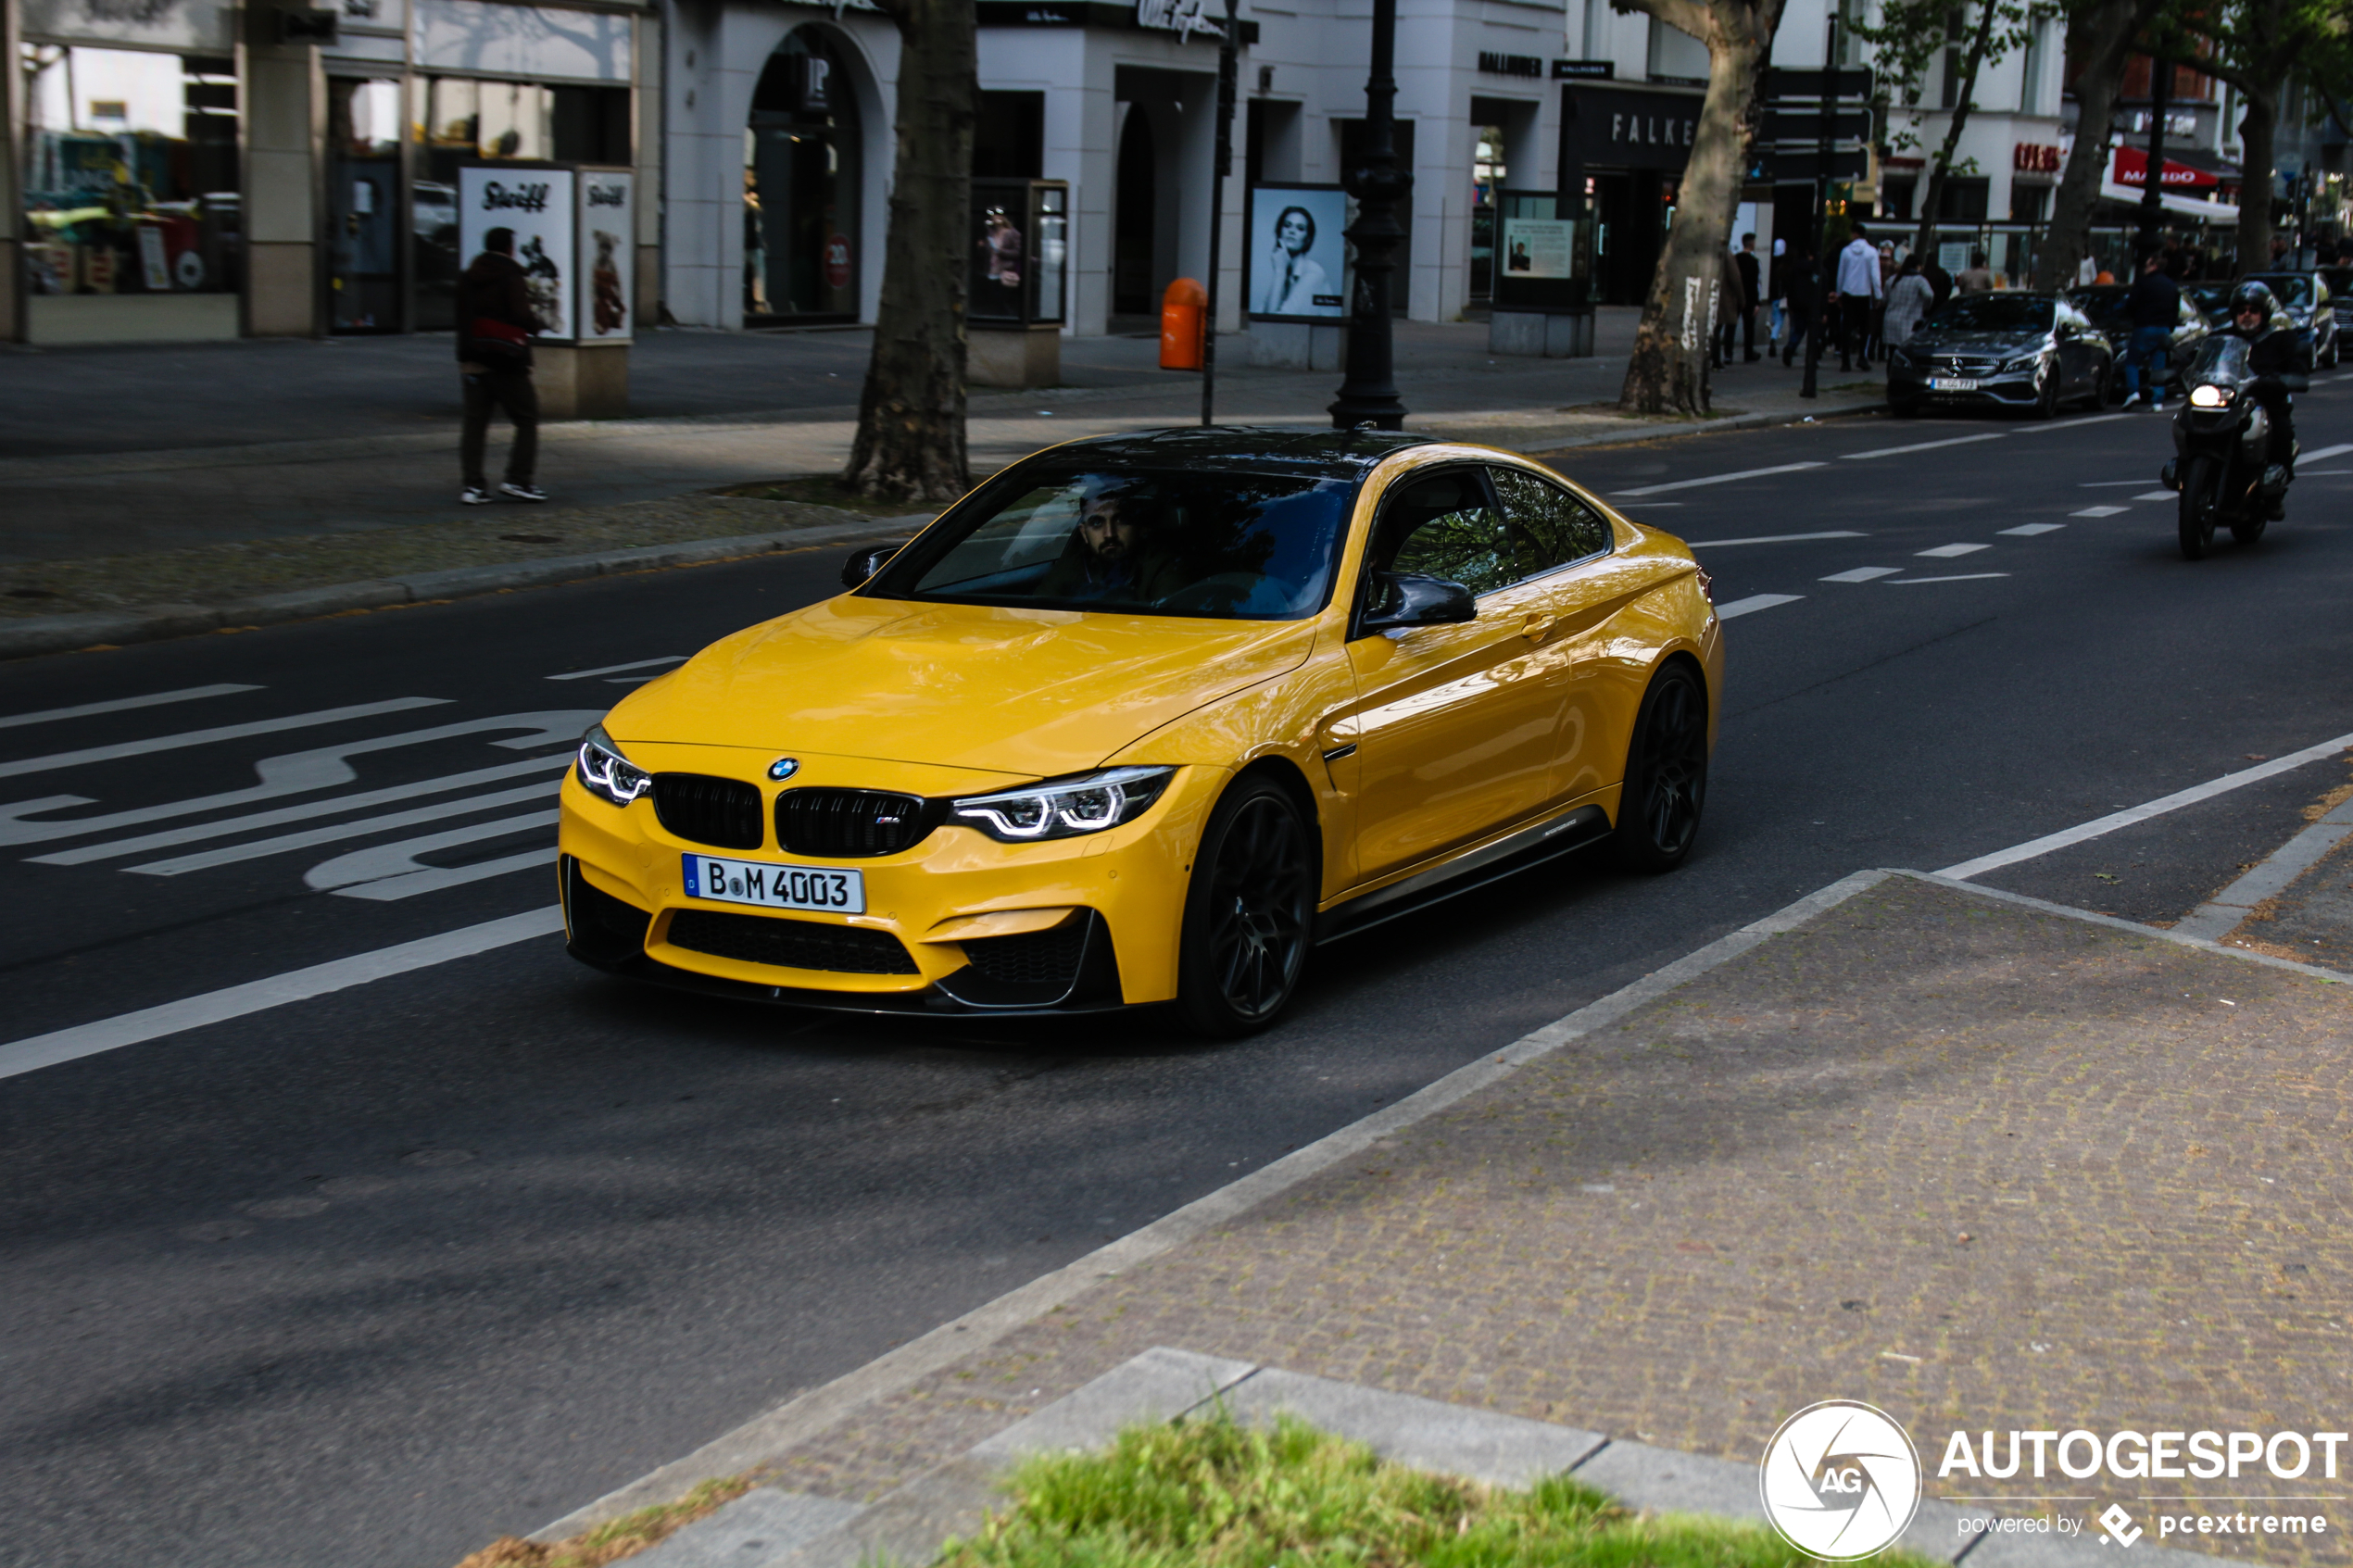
[2252, 296]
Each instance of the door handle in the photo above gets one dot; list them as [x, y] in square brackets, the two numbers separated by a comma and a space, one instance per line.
[1538, 623]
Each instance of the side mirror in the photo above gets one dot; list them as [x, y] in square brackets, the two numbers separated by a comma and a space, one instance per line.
[1405, 600]
[864, 563]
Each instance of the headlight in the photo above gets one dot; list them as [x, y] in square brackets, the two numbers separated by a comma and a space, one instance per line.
[2024, 362]
[606, 773]
[2209, 396]
[1063, 809]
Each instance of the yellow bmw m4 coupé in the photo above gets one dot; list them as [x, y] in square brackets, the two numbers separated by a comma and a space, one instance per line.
[1143, 720]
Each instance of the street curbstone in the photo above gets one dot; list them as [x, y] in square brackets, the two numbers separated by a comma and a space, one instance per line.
[1502, 1451]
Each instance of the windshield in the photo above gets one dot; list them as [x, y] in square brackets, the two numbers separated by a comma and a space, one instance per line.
[1995, 313]
[2102, 305]
[1223, 545]
[2222, 360]
[2291, 289]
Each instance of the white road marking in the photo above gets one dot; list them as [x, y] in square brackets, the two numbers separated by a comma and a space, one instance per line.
[1772, 539]
[258, 996]
[256, 849]
[1959, 577]
[2100, 511]
[2220, 914]
[2156, 496]
[1716, 479]
[205, 737]
[293, 773]
[2031, 529]
[617, 668]
[1752, 603]
[2098, 826]
[1862, 574]
[1945, 552]
[2325, 453]
[172, 837]
[122, 703]
[2301, 473]
[2109, 484]
[432, 878]
[2070, 424]
[394, 860]
[1920, 447]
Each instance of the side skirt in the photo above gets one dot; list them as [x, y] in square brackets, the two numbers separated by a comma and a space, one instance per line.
[1505, 856]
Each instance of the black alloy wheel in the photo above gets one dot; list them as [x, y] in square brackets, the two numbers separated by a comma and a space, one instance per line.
[2046, 393]
[2201, 498]
[1666, 789]
[1250, 913]
[2102, 388]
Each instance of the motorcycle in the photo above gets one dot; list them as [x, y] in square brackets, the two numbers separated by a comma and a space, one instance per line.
[2221, 439]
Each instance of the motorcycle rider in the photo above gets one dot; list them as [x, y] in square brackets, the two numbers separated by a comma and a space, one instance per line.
[2271, 354]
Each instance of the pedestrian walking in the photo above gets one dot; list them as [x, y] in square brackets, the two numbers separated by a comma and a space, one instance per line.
[1777, 280]
[1856, 286]
[2155, 309]
[1745, 260]
[1911, 297]
[1804, 292]
[1976, 278]
[1731, 303]
[495, 323]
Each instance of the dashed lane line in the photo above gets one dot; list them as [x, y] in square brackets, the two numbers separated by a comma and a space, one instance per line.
[1921, 446]
[2325, 453]
[2099, 826]
[2155, 496]
[258, 996]
[1717, 479]
[1862, 574]
[2100, 511]
[617, 668]
[1771, 539]
[1945, 552]
[205, 737]
[1957, 577]
[1753, 603]
[123, 703]
[2031, 530]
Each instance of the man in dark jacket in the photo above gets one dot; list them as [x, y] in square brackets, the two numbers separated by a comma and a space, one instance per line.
[494, 327]
[1746, 259]
[2155, 309]
[2272, 353]
[1804, 286]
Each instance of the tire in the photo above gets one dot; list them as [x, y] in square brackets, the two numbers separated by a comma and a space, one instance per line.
[2046, 395]
[2102, 389]
[1665, 788]
[2201, 486]
[1250, 913]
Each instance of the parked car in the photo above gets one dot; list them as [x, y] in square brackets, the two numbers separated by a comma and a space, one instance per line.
[2028, 351]
[2103, 303]
[2310, 309]
[2213, 302]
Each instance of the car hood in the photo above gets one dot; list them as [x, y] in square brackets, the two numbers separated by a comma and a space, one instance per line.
[1032, 692]
[1933, 342]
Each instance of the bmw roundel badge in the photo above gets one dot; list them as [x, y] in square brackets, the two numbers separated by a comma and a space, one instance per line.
[784, 766]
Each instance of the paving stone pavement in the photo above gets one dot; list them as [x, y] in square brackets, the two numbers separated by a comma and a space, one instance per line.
[1983, 1165]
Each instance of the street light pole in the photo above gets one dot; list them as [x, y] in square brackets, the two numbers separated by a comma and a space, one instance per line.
[1222, 168]
[2152, 213]
[1824, 271]
[1368, 395]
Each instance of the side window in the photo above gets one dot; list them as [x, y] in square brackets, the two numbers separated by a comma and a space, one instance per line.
[1444, 524]
[1556, 526]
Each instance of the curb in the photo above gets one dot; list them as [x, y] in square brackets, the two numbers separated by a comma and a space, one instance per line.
[1735, 421]
[65, 633]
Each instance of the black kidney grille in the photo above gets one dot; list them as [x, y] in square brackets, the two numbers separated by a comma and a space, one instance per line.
[848, 822]
[1034, 958]
[702, 809]
[790, 943]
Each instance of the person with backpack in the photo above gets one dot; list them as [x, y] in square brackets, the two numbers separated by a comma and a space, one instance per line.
[495, 323]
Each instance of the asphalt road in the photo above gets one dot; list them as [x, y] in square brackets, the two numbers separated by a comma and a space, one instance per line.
[369, 1278]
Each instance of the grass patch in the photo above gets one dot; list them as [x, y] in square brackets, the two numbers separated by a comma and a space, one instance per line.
[1210, 1493]
[826, 490]
[1669, 415]
[616, 1538]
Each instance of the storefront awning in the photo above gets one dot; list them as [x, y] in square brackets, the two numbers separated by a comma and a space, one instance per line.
[2130, 167]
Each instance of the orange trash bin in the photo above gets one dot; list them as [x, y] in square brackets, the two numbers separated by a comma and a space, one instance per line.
[1181, 320]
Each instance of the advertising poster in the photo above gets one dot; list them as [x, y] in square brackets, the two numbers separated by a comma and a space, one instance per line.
[607, 220]
[1298, 257]
[1540, 247]
[537, 203]
[192, 25]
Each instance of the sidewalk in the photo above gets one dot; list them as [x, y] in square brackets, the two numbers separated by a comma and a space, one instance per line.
[1984, 1163]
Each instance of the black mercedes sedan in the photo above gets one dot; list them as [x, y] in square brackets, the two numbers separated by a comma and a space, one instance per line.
[2032, 351]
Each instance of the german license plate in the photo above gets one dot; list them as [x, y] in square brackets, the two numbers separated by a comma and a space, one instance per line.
[775, 888]
[1951, 384]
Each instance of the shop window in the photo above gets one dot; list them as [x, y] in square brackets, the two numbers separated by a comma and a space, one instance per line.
[1963, 200]
[131, 173]
[363, 205]
[1895, 199]
[803, 186]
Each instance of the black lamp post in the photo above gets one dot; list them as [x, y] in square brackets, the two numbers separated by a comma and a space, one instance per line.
[1369, 395]
[2152, 213]
[1223, 165]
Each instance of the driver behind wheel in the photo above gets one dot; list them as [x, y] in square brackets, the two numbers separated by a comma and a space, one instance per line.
[1113, 554]
[2271, 354]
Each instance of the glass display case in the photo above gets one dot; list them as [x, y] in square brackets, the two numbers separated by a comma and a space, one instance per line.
[1543, 252]
[1020, 255]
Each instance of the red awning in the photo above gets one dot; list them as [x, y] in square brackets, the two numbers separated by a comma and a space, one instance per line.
[2133, 167]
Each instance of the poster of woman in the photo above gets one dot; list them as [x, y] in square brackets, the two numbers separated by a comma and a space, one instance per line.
[1298, 258]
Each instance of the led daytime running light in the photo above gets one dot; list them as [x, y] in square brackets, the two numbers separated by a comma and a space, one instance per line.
[606, 773]
[1065, 810]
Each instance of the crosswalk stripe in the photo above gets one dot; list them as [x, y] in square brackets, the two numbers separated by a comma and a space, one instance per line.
[394, 860]
[255, 849]
[123, 703]
[153, 744]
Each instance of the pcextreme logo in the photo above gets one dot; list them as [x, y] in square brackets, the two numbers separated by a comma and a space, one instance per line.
[1840, 1480]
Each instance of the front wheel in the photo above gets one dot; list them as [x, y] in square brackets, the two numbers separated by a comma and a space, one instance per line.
[2201, 496]
[1665, 788]
[1250, 913]
[2047, 395]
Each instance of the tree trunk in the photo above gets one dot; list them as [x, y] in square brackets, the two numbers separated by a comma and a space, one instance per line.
[1922, 245]
[2109, 29]
[2257, 133]
[1672, 351]
[910, 417]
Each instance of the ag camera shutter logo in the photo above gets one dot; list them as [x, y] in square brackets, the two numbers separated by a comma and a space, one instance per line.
[1840, 1480]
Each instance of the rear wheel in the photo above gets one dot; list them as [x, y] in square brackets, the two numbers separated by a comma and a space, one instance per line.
[1658, 809]
[2201, 495]
[1249, 913]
